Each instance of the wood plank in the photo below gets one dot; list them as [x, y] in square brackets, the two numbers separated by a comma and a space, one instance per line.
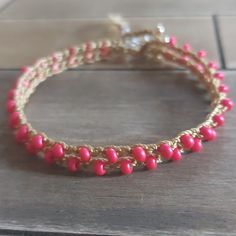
[22, 42]
[228, 34]
[193, 197]
[4, 4]
[57, 9]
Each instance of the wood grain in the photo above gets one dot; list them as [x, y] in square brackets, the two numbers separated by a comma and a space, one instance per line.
[54, 9]
[228, 33]
[193, 197]
[22, 42]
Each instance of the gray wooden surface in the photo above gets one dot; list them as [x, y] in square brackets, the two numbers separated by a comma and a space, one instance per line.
[54, 9]
[193, 197]
[105, 104]
[52, 35]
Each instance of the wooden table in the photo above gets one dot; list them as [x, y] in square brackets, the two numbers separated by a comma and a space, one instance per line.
[111, 103]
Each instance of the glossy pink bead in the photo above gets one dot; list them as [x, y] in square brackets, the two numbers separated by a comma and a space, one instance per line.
[177, 156]
[88, 56]
[213, 65]
[48, 157]
[57, 151]
[88, 46]
[98, 168]
[16, 83]
[72, 51]
[73, 164]
[172, 41]
[183, 60]
[37, 142]
[213, 136]
[30, 149]
[219, 119]
[199, 68]
[202, 53]
[139, 153]
[219, 75]
[186, 47]
[26, 84]
[84, 154]
[22, 134]
[14, 119]
[104, 50]
[151, 163]
[197, 146]
[11, 105]
[207, 133]
[111, 155]
[25, 69]
[168, 56]
[187, 141]
[227, 103]
[165, 150]
[126, 167]
[223, 88]
[11, 94]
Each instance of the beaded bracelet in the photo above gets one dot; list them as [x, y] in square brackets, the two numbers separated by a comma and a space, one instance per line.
[154, 46]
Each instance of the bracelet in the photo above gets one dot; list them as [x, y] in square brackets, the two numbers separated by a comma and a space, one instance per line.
[150, 44]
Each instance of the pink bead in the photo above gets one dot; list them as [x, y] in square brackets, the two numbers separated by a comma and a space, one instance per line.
[14, 119]
[37, 142]
[11, 105]
[199, 68]
[26, 84]
[25, 69]
[213, 135]
[88, 46]
[15, 84]
[22, 134]
[55, 68]
[227, 103]
[30, 149]
[139, 153]
[98, 168]
[151, 163]
[202, 53]
[84, 154]
[48, 157]
[168, 56]
[111, 155]
[176, 155]
[72, 61]
[165, 150]
[172, 41]
[57, 151]
[11, 94]
[72, 51]
[223, 88]
[219, 75]
[104, 51]
[187, 141]
[207, 133]
[186, 47]
[126, 167]
[183, 60]
[88, 56]
[197, 146]
[219, 120]
[73, 164]
[213, 65]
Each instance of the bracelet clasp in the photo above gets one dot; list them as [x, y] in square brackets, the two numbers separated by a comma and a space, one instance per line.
[145, 43]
